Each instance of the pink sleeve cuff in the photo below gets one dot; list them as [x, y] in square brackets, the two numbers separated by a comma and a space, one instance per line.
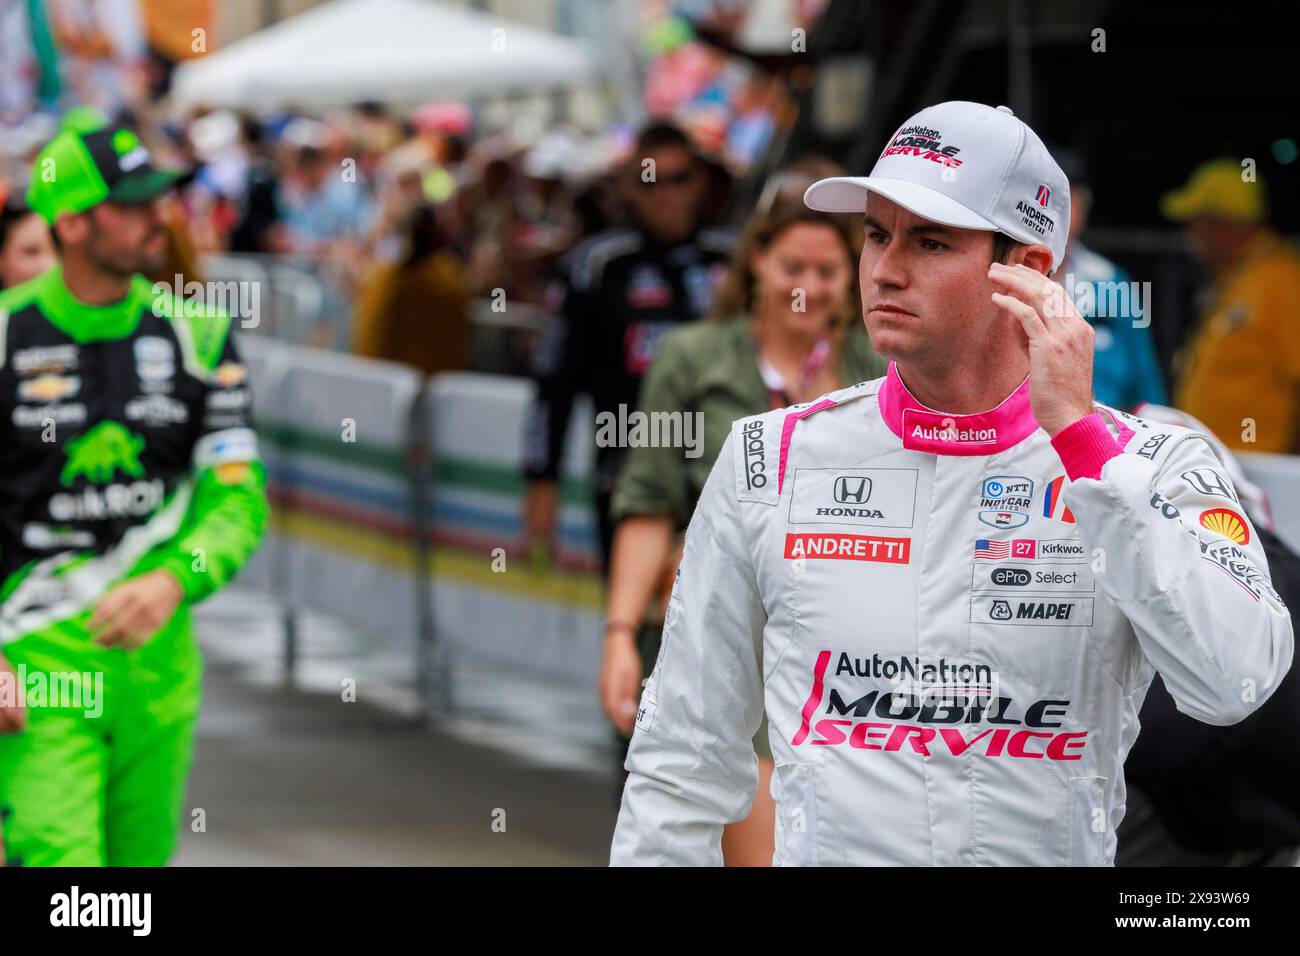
[1085, 446]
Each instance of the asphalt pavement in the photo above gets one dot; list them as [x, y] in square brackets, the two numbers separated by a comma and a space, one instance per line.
[338, 767]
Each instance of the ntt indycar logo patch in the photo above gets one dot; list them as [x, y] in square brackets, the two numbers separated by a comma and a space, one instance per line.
[930, 720]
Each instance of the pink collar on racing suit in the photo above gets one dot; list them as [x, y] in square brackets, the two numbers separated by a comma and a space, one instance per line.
[924, 429]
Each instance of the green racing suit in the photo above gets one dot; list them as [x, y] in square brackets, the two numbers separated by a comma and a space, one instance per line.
[126, 446]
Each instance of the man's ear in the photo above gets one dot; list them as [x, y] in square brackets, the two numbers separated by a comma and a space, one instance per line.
[71, 228]
[1037, 257]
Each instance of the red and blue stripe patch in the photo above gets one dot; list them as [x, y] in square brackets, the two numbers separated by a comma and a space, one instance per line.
[1052, 498]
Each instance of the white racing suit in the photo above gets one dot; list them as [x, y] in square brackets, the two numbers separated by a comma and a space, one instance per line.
[951, 621]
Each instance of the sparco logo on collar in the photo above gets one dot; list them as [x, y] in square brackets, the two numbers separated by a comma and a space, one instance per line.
[924, 143]
[1151, 446]
[755, 455]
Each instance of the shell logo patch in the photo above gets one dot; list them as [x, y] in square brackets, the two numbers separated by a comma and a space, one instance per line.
[1227, 523]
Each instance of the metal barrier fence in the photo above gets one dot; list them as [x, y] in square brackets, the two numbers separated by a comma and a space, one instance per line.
[396, 506]
[310, 303]
[395, 497]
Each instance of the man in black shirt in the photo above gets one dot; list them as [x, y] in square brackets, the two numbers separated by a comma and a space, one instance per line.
[621, 291]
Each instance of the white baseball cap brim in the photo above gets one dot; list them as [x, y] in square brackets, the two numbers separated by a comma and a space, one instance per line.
[849, 194]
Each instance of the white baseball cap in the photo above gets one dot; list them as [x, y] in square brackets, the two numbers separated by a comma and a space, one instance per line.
[966, 165]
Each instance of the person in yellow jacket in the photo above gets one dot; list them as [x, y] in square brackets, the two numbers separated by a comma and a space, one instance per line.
[1240, 371]
[417, 310]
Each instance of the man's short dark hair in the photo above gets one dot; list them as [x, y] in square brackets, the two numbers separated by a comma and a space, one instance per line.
[661, 134]
[1002, 246]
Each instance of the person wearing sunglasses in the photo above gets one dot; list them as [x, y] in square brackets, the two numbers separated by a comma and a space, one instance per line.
[622, 291]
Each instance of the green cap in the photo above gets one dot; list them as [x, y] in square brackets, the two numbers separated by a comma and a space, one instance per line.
[77, 170]
[83, 119]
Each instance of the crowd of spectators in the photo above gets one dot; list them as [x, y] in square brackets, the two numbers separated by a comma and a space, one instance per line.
[375, 204]
[374, 201]
[407, 219]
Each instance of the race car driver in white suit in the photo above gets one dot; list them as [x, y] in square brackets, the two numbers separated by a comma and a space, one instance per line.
[949, 587]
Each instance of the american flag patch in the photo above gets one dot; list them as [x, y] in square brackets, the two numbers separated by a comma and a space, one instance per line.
[1001, 550]
[995, 550]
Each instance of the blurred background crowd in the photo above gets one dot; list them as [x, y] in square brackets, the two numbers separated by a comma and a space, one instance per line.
[313, 149]
[544, 190]
[485, 196]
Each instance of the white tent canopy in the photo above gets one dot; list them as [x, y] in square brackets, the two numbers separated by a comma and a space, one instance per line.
[347, 51]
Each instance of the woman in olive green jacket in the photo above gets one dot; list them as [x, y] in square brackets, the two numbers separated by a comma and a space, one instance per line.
[788, 330]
